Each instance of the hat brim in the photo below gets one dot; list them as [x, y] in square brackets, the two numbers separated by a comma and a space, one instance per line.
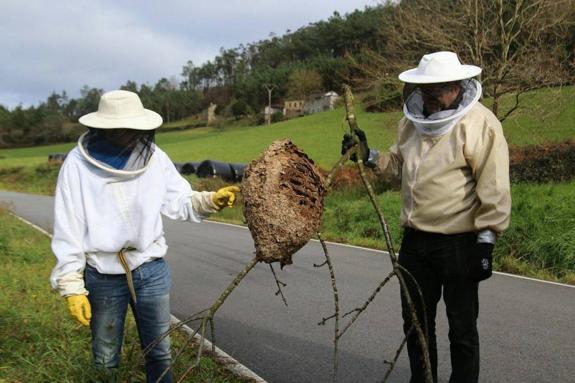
[467, 71]
[147, 120]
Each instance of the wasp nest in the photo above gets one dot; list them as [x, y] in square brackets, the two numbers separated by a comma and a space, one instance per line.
[283, 195]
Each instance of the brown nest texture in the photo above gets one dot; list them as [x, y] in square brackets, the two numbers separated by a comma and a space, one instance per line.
[283, 195]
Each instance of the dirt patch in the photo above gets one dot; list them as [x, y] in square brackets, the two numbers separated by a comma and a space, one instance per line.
[283, 194]
[348, 177]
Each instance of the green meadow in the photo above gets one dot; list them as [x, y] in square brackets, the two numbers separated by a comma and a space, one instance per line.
[544, 116]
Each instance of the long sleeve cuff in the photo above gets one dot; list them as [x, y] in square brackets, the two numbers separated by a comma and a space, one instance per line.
[203, 204]
[71, 284]
[373, 158]
[486, 236]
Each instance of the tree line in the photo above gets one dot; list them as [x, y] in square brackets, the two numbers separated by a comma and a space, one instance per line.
[521, 44]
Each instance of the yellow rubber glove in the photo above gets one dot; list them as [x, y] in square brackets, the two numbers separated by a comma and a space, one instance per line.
[79, 307]
[225, 196]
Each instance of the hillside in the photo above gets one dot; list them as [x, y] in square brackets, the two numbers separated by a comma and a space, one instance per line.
[546, 115]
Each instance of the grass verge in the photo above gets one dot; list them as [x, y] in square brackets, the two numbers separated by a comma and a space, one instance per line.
[539, 243]
[39, 342]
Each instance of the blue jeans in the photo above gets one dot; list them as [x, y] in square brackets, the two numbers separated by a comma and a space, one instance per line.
[109, 297]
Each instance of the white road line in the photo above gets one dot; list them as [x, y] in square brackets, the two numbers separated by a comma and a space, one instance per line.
[533, 279]
[224, 358]
[385, 252]
[33, 225]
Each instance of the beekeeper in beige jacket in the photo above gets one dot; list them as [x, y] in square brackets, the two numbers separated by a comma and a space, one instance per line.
[453, 162]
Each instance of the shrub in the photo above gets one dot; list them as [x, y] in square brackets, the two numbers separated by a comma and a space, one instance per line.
[546, 163]
[240, 109]
[277, 117]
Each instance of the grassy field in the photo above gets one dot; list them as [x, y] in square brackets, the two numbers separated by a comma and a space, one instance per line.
[39, 341]
[545, 115]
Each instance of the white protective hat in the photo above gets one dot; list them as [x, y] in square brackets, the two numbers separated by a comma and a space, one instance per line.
[121, 109]
[439, 67]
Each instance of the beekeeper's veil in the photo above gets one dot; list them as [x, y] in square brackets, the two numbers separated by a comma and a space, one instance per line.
[120, 138]
[435, 68]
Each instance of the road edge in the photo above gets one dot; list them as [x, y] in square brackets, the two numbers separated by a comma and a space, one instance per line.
[502, 273]
[385, 252]
[229, 362]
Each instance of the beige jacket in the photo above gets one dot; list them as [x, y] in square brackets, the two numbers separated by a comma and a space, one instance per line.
[455, 183]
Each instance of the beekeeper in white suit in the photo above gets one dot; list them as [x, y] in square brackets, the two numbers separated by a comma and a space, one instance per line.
[453, 162]
[108, 239]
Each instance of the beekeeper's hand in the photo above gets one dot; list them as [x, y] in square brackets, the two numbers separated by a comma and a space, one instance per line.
[369, 156]
[225, 196]
[80, 309]
[348, 141]
[481, 262]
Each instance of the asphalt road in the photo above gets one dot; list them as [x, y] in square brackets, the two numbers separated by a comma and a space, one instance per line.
[527, 327]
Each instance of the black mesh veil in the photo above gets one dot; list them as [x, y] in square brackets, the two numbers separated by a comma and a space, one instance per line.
[124, 150]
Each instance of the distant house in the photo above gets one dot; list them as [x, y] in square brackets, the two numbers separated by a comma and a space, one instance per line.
[293, 108]
[313, 104]
[320, 103]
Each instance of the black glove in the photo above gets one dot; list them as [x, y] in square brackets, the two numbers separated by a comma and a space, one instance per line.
[348, 141]
[481, 264]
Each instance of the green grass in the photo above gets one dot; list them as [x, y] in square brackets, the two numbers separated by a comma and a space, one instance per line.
[40, 179]
[319, 135]
[349, 217]
[39, 341]
[546, 115]
[542, 232]
[539, 243]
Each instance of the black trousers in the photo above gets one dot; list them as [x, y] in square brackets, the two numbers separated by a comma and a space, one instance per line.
[440, 261]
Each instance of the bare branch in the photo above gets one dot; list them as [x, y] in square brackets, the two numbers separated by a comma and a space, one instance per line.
[361, 309]
[279, 284]
[336, 307]
[397, 353]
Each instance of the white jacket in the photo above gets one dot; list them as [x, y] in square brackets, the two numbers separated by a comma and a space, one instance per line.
[96, 214]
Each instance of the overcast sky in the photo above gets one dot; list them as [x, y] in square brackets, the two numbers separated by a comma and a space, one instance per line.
[64, 44]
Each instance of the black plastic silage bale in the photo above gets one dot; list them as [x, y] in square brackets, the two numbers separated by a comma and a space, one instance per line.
[210, 168]
[57, 157]
[238, 171]
[190, 168]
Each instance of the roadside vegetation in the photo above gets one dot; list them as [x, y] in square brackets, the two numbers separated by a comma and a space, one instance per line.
[40, 341]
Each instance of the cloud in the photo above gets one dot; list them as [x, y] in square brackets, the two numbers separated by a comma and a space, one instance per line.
[63, 45]
[85, 42]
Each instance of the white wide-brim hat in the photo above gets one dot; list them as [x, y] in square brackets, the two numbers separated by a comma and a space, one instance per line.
[121, 109]
[439, 67]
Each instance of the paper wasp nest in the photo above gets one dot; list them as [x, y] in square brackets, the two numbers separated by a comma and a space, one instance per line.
[283, 195]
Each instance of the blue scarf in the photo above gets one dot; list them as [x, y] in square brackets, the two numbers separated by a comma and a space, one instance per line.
[102, 150]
